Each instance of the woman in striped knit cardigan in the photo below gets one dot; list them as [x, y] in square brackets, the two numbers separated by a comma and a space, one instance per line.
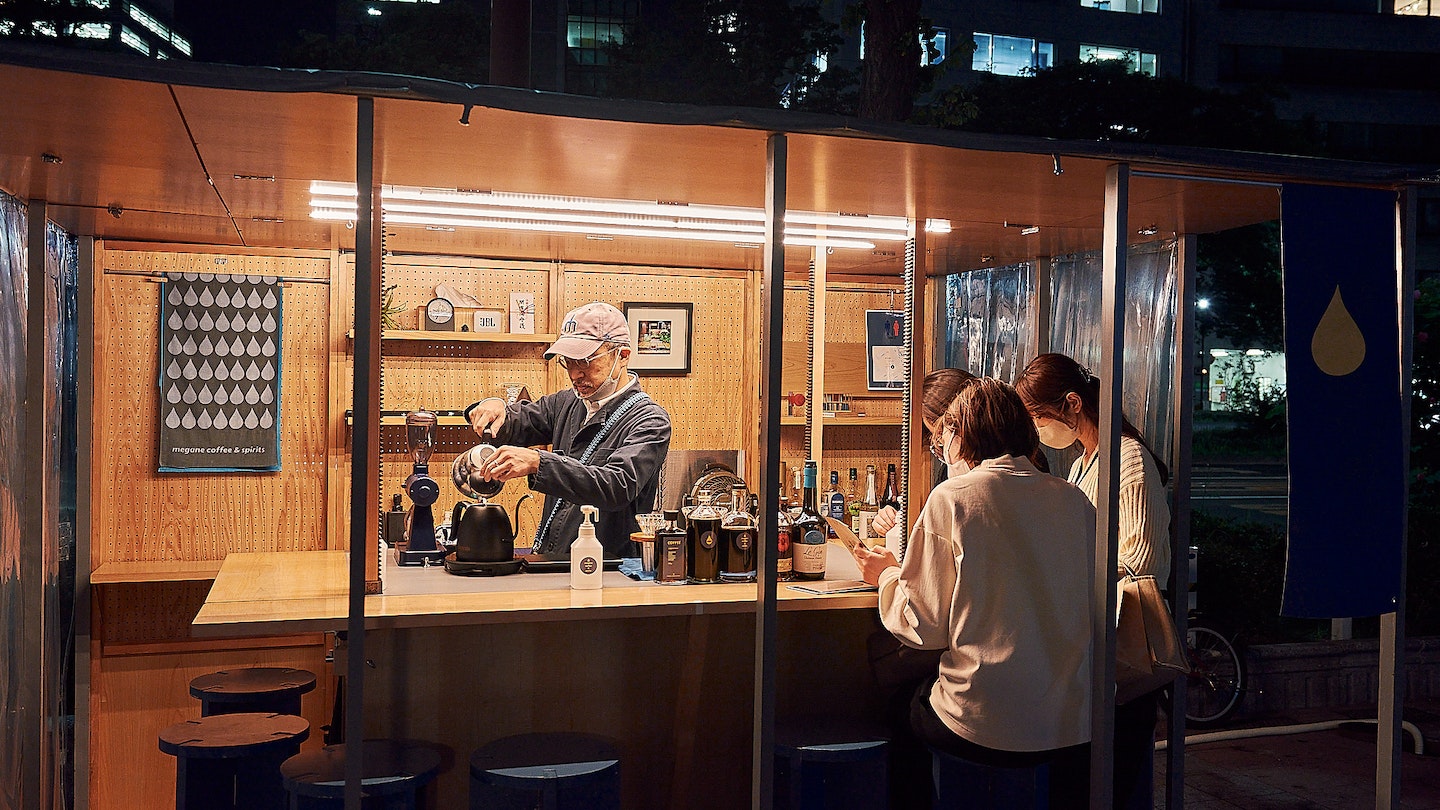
[1063, 397]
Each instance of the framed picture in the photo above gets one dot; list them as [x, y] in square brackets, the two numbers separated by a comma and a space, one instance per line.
[659, 337]
[884, 350]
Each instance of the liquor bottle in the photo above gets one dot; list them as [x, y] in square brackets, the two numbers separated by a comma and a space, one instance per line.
[784, 553]
[737, 538]
[835, 499]
[796, 496]
[703, 533]
[869, 506]
[891, 496]
[852, 504]
[809, 533]
[670, 545]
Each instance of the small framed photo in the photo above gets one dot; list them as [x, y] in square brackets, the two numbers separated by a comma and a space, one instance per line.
[884, 350]
[659, 337]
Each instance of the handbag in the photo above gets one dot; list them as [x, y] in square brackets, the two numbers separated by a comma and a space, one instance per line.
[1148, 652]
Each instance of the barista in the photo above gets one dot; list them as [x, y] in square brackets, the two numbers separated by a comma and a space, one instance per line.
[605, 407]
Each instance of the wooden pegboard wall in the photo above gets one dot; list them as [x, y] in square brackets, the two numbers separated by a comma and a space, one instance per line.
[705, 405]
[139, 514]
[149, 612]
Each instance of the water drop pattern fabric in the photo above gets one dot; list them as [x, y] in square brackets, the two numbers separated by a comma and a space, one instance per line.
[220, 350]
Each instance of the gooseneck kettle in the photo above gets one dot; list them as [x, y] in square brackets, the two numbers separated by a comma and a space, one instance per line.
[482, 532]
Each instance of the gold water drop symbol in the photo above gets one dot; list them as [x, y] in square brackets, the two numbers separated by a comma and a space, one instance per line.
[1337, 345]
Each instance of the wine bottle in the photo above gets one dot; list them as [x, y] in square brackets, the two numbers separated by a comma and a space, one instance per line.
[737, 535]
[809, 532]
[702, 532]
[796, 495]
[784, 553]
[891, 496]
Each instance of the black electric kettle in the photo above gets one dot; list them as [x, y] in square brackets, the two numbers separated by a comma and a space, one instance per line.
[481, 531]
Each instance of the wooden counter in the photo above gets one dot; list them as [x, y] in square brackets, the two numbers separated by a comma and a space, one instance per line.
[306, 591]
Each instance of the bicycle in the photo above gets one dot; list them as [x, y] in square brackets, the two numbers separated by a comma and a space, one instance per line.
[1217, 675]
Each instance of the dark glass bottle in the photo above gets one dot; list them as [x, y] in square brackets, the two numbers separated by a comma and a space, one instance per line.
[835, 499]
[737, 534]
[810, 533]
[784, 551]
[670, 545]
[703, 531]
[891, 496]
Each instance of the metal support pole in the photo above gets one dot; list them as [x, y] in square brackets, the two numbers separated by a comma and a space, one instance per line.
[365, 450]
[772, 309]
[35, 518]
[1044, 304]
[84, 443]
[1183, 418]
[1392, 625]
[1112, 354]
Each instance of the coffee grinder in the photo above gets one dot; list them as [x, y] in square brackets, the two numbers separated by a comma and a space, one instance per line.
[420, 547]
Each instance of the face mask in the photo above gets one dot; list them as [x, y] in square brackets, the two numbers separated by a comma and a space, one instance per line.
[956, 467]
[1057, 435]
[608, 387]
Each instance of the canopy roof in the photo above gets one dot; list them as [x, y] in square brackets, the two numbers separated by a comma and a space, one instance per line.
[211, 154]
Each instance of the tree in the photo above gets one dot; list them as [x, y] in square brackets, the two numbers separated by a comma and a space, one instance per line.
[49, 20]
[755, 53]
[445, 41]
[1238, 272]
[890, 74]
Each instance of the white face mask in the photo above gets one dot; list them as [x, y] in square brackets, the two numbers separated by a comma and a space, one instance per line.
[956, 467]
[1057, 435]
[608, 387]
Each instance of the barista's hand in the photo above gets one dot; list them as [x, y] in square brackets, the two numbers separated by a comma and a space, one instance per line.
[873, 562]
[884, 520]
[488, 416]
[509, 462]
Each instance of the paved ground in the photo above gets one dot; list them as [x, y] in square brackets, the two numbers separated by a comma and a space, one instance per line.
[1326, 770]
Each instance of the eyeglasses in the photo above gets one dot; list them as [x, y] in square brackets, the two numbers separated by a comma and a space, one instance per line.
[938, 450]
[569, 363]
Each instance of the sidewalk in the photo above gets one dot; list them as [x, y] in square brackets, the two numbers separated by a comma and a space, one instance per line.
[1324, 770]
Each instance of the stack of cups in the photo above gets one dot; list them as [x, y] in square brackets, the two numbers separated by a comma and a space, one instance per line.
[650, 523]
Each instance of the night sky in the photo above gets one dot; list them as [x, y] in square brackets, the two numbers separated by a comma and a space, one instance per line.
[249, 32]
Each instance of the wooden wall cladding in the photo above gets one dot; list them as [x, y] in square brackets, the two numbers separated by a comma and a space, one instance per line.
[140, 514]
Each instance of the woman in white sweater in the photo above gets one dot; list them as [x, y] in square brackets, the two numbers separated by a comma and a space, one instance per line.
[997, 576]
[1064, 399]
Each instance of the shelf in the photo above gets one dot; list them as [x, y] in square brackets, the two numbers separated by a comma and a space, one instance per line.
[458, 337]
[845, 421]
[112, 573]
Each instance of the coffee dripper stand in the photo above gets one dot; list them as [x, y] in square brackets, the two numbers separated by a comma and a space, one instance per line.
[421, 547]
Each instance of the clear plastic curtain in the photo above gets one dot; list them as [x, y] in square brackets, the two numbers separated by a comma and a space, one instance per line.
[988, 328]
[1148, 370]
[12, 478]
[990, 331]
[57, 569]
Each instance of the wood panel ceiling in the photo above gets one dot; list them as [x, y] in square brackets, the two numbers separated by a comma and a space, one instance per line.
[233, 167]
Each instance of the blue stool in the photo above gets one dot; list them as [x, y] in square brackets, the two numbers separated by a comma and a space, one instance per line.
[395, 773]
[962, 783]
[556, 771]
[828, 767]
[252, 689]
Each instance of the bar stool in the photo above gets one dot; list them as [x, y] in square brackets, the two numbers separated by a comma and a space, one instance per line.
[232, 761]
[987, 787]
[252, 689]
[829, 766]
[395, 773]
[554, 771]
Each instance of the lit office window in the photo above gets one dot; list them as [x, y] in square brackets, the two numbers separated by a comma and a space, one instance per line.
[935, 49]
[155, 26]
[134, 40]
[93, 30]
[181, 44]
[1418, 8]
[1127, 6]
[45, 28]
[1138, 61]
[100, 3]
[588, 37]
[1011, 56]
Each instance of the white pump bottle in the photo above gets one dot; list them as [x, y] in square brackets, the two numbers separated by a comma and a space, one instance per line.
[586, 554]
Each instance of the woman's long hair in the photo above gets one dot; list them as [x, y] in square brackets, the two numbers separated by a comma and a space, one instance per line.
[1046, 381]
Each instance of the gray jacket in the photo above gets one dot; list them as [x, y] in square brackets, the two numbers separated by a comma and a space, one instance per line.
[620, 477]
